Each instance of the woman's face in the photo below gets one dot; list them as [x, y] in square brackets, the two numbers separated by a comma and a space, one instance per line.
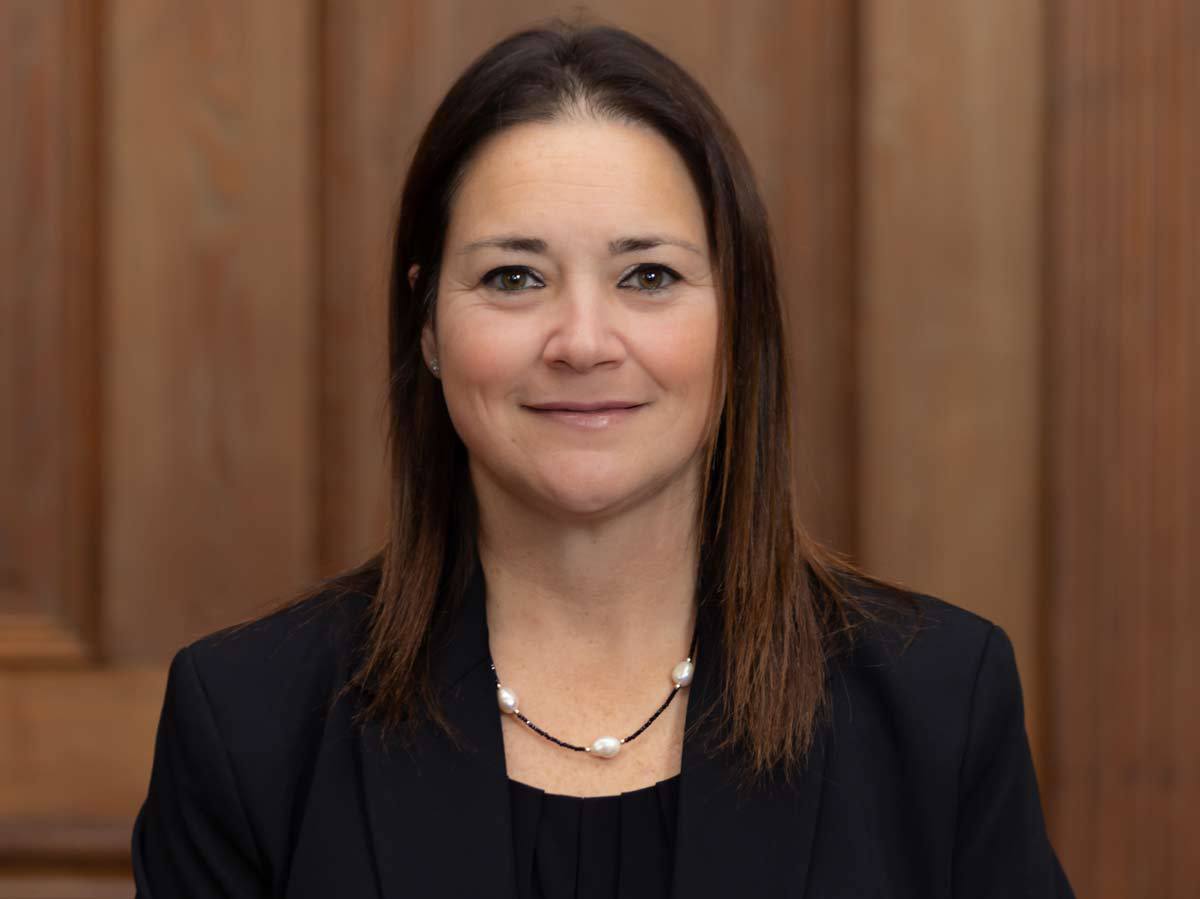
[576, 271]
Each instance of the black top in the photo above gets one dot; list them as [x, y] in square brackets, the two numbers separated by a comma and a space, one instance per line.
[594, 847]
[919, 783]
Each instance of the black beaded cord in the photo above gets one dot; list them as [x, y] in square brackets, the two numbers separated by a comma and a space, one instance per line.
[553, 739]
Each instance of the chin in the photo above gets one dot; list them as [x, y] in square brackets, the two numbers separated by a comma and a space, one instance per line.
[585, 505]
[587, 498]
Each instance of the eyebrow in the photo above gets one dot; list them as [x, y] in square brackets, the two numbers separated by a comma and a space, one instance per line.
[520, 244]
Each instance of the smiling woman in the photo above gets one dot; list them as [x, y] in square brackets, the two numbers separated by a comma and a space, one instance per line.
[598, 655]
[586, 316]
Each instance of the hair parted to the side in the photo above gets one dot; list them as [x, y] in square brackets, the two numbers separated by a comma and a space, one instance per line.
[786, 602]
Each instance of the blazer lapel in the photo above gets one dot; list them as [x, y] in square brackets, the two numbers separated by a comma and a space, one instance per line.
[440, 817]
[754, 844]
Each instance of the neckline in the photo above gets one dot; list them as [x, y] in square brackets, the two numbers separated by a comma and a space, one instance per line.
[608, 796]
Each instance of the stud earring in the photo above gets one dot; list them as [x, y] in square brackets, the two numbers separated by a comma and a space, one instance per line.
[434, 367]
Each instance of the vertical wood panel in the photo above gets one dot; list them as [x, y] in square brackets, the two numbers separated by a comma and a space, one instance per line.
[1124, 228]
[375, 86]
[48, 478]
[211, 328]
[950, 306]
[74, 744]
[788, 85]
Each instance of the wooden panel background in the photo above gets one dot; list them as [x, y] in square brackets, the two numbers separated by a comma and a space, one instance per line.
[949, 308]
[48, 352]
[986, 222]
[210, 315]
[1123, 441]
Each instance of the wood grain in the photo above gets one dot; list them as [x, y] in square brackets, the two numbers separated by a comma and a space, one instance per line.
[78, 744]
[1124, 431]
[48, 355]
[949, 316]
[99, 885]
[211, 330]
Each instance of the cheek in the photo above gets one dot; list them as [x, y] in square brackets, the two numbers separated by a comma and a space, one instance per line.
[684, 355]
[485, 358]
[485, 353]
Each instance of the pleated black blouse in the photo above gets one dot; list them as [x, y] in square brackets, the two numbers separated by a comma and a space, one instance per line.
[594, 847]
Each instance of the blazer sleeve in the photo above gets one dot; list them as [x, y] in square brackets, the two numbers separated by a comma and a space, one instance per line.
[1001, 845]
[192, 837]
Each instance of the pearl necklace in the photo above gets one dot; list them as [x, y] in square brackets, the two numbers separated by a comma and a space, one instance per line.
[602, 747]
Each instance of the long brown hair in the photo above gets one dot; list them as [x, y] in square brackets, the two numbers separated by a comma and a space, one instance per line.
[785, 602]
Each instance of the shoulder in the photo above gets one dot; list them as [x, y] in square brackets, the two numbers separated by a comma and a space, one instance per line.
[305, 641]
[246, 713]
[929, 743]
[265, 687]
[926, 674]
[917, 640]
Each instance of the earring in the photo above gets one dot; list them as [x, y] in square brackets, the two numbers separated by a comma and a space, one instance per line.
[433, 367]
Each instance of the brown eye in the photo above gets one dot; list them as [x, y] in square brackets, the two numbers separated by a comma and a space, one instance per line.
[510, 279]
[513, 279]
[650, 278]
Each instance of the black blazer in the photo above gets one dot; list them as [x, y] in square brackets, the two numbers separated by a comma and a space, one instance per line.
[920, 785]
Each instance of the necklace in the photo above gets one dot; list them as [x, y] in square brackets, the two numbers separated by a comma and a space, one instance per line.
[602, 747]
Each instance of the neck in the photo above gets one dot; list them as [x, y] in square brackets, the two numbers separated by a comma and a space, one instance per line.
[584, 598]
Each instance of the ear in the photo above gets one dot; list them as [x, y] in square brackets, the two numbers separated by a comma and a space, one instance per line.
[428, 338]
[429, 342]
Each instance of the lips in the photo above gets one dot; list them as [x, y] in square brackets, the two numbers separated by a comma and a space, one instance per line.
[599, 417]
[603, 406]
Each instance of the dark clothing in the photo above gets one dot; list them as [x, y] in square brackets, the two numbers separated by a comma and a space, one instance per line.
[919, 784]
[594, 847]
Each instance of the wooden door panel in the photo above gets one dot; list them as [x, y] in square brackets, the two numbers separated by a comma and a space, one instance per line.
[157, 368]
[211, 328]
[48, 393]
[1123, 441]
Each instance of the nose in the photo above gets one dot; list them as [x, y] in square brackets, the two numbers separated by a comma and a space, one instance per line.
[584, 333]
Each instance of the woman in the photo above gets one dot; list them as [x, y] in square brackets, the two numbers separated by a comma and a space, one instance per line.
[597, 656]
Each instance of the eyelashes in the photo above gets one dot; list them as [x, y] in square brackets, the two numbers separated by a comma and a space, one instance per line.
[507, 272]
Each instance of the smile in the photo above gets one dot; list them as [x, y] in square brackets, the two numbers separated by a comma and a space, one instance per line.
[595, 420]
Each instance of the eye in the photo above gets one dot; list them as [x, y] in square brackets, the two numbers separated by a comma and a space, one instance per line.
[511, 276]
[655, 282]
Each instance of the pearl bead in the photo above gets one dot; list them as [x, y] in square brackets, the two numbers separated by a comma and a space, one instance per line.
[682, 673]
[507, 699]
[606, 747]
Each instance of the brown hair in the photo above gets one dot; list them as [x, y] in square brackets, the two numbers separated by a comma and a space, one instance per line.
[785, 602]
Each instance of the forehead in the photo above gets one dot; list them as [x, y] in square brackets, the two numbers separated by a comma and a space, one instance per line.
[583, 174]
